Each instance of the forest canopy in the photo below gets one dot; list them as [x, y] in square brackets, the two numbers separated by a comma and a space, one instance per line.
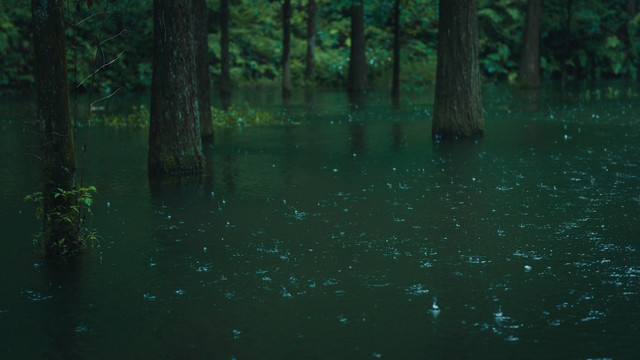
[587, 39]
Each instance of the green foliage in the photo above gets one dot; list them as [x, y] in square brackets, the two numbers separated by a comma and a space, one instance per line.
[138, 118]
[84, 200]
[598, 41]
[242, 117]
[237, 116]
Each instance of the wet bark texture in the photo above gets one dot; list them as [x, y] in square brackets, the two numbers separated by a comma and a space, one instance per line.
[58, 150]
[200, 30]
[395, 84]
[286, 49]
[225, 75]
[458, 98]
[529, 75]
[175, 144]
[311, 42]
[357, 78]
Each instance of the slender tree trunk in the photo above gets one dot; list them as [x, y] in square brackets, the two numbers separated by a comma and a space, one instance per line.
[225, 75]
[61, 223]
[201, 31]
[395, 85]
[631, 9]
[311, 42]
[175, 143]
[357, 78]
[567, 40]
[458, 98]
[286, 49]
[529, 76]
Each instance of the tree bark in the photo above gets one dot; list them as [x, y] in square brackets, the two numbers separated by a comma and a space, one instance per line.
[395, 84]
[175, 143]
[201, 31]
[286, 49]
[225, 75]
[311, 42]
[458, 96]
[61, 223]
[357, 78]
[529, 76]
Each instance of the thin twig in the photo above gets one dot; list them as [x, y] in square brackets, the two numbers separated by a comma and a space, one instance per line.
[106, 97]
[101, 67]
[116, 35]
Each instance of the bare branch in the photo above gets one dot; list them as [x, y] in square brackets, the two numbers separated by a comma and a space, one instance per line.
[115, 36]
[106, 97]
[100, 68]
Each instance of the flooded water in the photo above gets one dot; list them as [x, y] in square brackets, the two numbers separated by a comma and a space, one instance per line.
[347, 235]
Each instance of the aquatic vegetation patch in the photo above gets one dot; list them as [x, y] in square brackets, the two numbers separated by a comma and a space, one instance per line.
[84, 200]
[236, 116]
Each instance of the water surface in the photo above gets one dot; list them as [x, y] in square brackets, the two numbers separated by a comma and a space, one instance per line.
[348, 234]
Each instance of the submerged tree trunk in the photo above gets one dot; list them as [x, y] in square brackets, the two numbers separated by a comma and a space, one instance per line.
[311, 42]
[357, 78]
[286, 49]
[61, 223]
[225, 75]
[395, 84]
[529, 76]
[458, 99]
[175, 144]
[201, 30]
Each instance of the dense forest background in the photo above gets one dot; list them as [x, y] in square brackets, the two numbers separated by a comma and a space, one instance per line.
[587, 39]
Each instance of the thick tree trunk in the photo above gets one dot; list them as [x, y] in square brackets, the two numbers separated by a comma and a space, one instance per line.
[175, 144]
[631, 9]
[286, 49]
[357, 78]
[395, 84]
[311, 42]
[225, 75]
[61, 223]
[201, 31]
[529, 76]
[458, 98]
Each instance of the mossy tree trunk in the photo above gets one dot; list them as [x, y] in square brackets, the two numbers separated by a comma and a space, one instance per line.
[458, 96]
[286, 49]
[201, 30]
[61, 222]
[175, 143]
[395, 83]
[311, 42]
[357, 78]
[225, 74]
[529, 75]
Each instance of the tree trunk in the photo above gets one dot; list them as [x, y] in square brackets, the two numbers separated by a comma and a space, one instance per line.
[631, 9]
[225, 75]
[175, 144]
[201, 31]
[567, 41]
[395, 84]
[311, 42]
[529, 76]
[286, 49]
[61, 223]
[357, 78]
[458, 98]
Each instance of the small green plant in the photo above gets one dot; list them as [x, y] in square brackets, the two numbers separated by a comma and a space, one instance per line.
[82, 206]
[241, 117]
[138, 118]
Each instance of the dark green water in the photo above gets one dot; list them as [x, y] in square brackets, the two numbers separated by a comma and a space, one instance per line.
[333, 238]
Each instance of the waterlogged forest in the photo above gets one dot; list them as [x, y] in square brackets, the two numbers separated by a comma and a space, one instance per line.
[255, 179]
